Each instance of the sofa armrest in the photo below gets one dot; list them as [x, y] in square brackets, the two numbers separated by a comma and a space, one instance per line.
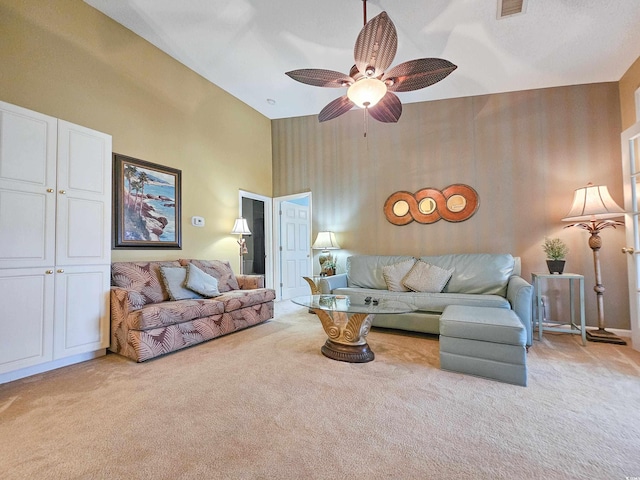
[520, 295]
[250, 282]
[129, 300]
[329, 284]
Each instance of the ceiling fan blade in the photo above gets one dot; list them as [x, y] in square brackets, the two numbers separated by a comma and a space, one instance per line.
[387, 110]
[335, 109]
[321, 78]
[417, 74]
[376, 45]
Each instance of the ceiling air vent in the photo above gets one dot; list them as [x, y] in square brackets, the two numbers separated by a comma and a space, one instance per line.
[507, 8]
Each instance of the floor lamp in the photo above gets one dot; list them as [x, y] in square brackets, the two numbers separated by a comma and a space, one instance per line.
[241, 228]
[592, 210]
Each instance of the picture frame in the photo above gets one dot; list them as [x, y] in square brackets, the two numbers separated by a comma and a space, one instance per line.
[147, 205]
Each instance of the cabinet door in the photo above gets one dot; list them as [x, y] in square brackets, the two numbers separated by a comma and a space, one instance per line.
[81, 310]
[26, 317]
[83, 234]
[27, 187]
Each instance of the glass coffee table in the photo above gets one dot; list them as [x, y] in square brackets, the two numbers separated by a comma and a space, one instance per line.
[346, 321]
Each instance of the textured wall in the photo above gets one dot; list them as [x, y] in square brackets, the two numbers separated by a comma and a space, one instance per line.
[629, 83]
[65, 59]
[524, 153]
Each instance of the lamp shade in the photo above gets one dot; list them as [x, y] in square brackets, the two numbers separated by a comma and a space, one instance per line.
[593, 202]
[325, 241]
[241, 227]
[367, 92]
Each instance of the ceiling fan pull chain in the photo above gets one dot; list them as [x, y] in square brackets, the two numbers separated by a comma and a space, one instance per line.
[366, 121]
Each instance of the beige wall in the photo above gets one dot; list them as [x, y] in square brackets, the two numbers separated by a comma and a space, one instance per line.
[65, 59]
[524, 153]
[629, 83]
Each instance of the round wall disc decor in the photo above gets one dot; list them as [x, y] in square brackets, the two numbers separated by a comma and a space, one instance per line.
[456, 203]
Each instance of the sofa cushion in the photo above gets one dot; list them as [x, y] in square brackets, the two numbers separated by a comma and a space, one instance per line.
[174, 282]
[201, 282]
[393, 275]
[366, 270]
[483, 324]
[237, 299]
[170, 313]
[143, 278]
[483, 273]
[219, 269]
[427, 302]
[424, 277]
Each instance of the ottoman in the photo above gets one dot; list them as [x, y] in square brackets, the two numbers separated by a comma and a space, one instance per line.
[484, 341]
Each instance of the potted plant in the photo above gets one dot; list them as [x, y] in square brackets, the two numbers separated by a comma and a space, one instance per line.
[556, 251]
[328, 268]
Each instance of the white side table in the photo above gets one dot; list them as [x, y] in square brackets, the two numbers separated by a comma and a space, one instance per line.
[537, 303]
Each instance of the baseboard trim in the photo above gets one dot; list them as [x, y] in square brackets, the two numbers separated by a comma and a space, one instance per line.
[46, 367]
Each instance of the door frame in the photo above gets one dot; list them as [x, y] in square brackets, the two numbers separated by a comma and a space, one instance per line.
[268, 232]
[632, 226]
[277, 239]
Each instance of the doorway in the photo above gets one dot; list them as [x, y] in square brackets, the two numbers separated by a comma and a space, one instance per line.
[256, 209]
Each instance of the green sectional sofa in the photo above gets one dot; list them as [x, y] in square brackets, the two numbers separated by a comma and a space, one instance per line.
[477, 280]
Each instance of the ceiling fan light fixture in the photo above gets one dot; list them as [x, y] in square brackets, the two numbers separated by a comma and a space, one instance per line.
[370, 84]
[367, 92]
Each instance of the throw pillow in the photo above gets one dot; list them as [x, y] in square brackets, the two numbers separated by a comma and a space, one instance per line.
[424, 277]
[393, 275]
[201, 282]
[218, 269]
[173, 278]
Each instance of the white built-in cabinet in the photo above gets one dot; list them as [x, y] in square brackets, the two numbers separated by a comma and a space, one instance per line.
[55, 242]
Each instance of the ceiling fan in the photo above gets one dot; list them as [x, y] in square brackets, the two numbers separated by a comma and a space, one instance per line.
[370, 85]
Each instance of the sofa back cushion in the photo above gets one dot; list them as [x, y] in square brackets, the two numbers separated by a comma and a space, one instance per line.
[143, 279]
[219, 269]
[483, 273]
[366, 271]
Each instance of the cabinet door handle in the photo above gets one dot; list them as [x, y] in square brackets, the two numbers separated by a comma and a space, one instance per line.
[63, 192]
[60, 270]
[49, 272]
[50, 190]
[628, 250]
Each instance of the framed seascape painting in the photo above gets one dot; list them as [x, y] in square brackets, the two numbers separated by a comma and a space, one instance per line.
[146, 204]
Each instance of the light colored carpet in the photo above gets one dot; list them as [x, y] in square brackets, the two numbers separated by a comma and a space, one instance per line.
[264, 403]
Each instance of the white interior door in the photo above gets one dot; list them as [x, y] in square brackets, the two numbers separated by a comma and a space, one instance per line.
[295, 247]
[631, 176]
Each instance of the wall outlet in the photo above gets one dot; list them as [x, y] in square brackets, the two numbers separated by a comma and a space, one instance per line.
[197, 221]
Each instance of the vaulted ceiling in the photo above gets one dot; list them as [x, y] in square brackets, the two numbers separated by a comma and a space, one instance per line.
[246, 46]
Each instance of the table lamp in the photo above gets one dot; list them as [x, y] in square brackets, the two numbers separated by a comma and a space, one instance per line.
[592, 210]
[240, 227]
[325, 241]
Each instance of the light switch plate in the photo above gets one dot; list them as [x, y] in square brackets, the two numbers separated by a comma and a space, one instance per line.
[197, 221]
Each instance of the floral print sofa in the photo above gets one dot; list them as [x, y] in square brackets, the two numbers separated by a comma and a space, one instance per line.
[145, 323]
